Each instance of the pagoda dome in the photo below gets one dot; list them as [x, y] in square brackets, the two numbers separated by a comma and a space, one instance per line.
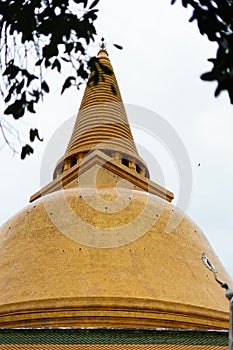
[54, 274]
[99, 245]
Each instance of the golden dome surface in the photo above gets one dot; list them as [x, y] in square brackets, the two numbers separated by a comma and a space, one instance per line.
[108, 252]
[53, 273]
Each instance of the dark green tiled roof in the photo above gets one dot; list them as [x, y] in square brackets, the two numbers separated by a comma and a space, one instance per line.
[112, 336]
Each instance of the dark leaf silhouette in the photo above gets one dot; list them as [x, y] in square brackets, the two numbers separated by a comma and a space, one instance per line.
[105, 69]
[95, 2]
[20, 86]
[34, 133]
[68, 82]
[17, 109]
[56, 64]
[30, 107]
[118, 46]
[26, 150]
[215, 20]
[113, 89]
[50, 35]
[44, 86]
[11, 71]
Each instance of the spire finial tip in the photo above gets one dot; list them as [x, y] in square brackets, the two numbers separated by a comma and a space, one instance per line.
[103, 44]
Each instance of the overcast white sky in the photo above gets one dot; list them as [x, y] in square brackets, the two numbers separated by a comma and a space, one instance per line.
[158, 69]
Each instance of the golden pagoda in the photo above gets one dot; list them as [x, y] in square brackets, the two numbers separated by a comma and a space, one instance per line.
[92, 250]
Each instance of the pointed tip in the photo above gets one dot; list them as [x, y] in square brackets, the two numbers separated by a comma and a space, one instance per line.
[102, 53]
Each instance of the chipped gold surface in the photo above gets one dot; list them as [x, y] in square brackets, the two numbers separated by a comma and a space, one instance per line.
[98, 254]
[48, 278]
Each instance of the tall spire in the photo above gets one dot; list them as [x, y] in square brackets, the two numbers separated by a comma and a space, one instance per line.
[102, 135]
[102, 122]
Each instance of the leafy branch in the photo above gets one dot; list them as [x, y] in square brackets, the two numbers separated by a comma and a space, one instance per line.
[215, 19]
[38, 36]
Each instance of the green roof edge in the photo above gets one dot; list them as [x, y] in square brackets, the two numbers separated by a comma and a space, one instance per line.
[112, 336]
